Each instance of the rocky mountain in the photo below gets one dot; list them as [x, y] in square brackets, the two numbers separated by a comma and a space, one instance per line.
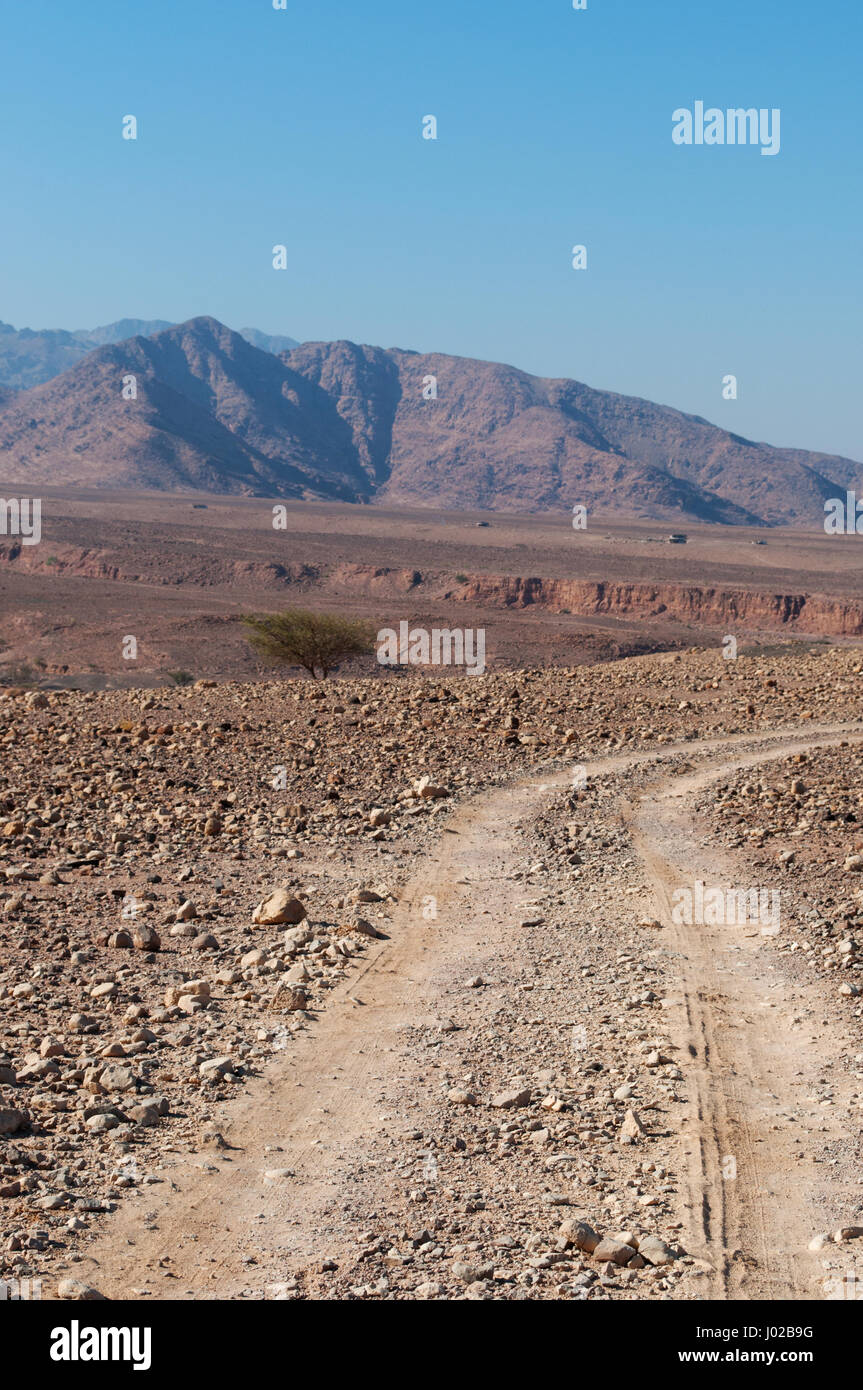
[268, 342]
[145, 328]
[210, 412]
[338, 420]
[30, 357]
[122, 329]
[497, 438]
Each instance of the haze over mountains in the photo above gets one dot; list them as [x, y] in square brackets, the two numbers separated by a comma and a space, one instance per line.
[218, 413]
[29, 357]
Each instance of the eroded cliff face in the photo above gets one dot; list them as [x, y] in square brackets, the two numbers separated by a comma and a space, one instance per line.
[690, 604]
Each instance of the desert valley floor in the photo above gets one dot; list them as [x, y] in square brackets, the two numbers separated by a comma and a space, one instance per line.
[373, 988]
[177, 572]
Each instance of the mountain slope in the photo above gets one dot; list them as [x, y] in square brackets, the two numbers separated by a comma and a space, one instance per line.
[28, 358]
[31, 357]
[212, 412]
[340, 420]
[757, 477]
[497, 438]
[268, 342]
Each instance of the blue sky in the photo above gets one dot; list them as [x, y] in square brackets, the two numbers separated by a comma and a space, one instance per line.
[303, 127]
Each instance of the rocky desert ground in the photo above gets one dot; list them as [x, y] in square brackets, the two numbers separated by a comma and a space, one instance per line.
[379, 989]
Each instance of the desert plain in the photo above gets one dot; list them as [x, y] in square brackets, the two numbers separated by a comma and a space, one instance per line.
[378, 987]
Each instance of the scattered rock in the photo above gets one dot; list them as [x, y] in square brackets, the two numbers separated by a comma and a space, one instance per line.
[510, 1100]
[279, 907]
[75, 1290]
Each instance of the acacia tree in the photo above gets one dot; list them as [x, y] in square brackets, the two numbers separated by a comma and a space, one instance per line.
[315, 641]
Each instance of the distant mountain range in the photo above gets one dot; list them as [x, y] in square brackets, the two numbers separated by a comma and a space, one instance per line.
[216, 413]
[30, 357]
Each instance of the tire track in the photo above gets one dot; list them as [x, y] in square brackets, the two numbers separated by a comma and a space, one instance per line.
[756, 1251]
[322, 1102]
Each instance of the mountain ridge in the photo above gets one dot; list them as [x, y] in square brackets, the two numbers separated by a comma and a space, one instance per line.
[30, 357]
[348, 421]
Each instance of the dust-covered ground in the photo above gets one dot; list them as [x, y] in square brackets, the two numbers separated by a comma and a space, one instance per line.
[465, 1049]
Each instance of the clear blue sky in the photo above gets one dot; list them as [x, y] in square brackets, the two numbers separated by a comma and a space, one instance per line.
[303, 126]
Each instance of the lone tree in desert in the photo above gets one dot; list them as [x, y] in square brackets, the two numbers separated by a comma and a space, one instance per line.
[315, 641]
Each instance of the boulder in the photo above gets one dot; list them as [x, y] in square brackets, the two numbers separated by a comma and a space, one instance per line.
[279, 907]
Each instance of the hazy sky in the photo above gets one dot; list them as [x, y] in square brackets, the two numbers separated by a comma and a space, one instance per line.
[303, 127]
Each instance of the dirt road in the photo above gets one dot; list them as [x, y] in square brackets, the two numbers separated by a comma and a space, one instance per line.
[306, 1139]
